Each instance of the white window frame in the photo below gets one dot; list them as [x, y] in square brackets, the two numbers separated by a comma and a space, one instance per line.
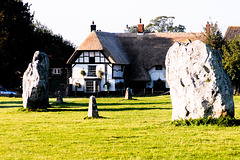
[57, 71]
[91, 71]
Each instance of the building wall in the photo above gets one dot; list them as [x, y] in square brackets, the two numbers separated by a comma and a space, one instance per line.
[155, 75]
[77, 77]
[57, 81]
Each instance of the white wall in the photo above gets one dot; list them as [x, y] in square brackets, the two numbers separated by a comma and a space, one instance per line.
[77, 77]
[155, 75]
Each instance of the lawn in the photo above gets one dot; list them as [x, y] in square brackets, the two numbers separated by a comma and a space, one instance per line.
[130, 129]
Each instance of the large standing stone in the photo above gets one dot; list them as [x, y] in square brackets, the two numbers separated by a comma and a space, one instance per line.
[92, 107]
[35, 82]
[199, 87]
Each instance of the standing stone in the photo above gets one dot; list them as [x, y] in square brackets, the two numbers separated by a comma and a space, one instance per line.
[199, 86]
[35, 82]
[128, 94]
[92, 107]
[59, 97]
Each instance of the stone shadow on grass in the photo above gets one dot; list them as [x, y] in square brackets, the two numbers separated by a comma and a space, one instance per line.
[77, 105]
[84, 107]
[57, 107]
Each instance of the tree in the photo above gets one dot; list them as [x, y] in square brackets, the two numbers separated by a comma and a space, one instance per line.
[15, 35]
[133, 29]
[58, 49]
[20, 37]
[231, 60]
[163, 24]
[213, 36]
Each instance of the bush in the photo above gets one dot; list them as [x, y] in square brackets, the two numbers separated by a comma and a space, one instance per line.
[83, 73]
[100, 74]
[222, 121]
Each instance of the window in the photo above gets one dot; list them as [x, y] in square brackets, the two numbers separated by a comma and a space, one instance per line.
[92, 71]
[159, 67]
[89, 86]
[92, 86]
[81, 60]
[97, 59]
[118, 71]
[92, 58]
[86, 59]
[91, 54]
[97, 54]
[3, 89]
[56, 71]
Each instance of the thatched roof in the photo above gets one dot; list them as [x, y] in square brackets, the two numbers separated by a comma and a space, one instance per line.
[139, 52]
[232, 32]
[105, 42]
[148, 50]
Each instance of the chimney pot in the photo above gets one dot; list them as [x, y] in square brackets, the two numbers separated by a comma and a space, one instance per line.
[208, 28]
[140, 27]
[93, 26]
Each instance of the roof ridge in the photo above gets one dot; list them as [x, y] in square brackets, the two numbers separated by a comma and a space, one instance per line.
[234, 26]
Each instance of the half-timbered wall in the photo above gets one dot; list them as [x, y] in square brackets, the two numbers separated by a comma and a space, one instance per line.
[92, 62]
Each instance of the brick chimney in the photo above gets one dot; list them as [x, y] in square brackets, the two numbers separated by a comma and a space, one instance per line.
[93, 26]
[208, 28]
[140, 26]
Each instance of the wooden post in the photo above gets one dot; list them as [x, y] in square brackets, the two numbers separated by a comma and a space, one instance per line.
[75, 91]
[152, 91]
[98, 89]
[144, 91]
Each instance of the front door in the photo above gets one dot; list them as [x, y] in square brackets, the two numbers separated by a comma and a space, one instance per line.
[92, 86]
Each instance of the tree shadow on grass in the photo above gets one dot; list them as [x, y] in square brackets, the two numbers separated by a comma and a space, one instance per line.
[7, 104]
[11, 102]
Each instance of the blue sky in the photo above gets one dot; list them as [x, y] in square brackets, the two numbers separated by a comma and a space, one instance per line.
[72, 18]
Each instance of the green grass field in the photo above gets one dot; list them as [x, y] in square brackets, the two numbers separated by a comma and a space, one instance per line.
[130, 129]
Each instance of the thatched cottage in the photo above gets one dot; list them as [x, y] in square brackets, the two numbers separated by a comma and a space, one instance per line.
[112, 61]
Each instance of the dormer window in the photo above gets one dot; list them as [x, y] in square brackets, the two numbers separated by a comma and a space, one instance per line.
[93, 57]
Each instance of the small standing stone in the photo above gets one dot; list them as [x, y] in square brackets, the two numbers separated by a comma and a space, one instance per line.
[59, 97]
[92, 107]
[128, 94]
